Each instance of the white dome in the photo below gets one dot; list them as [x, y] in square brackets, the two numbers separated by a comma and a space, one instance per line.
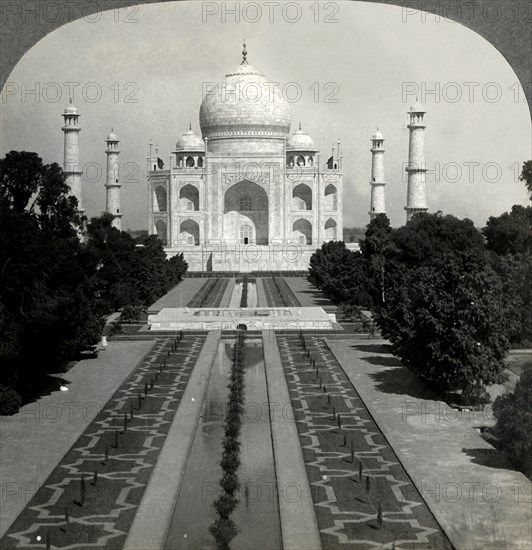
[377, 135]
[112, 136]
[190, 141]
[417, 108]
[245, 104]
[299, 141]
[71, 110]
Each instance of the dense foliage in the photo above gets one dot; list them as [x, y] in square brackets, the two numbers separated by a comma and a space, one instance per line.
[129, 272]
[445, 311]
[446, 306]
[511, 232]
[340, 274]
[53, 285]
[514, 423]
[47, 306]
[509, 237]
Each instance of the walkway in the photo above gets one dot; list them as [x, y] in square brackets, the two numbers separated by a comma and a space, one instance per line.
[298, 521]
[308, 295]
[352, 469]
[154, 516]
[91, 497]
[476, 496]
[180, 295]
[36, 439]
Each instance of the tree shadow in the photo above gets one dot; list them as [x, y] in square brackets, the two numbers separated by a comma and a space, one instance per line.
[373, 348]
[318, 298]
[399, 380]
[39, 387]
[492, 458]
[396, 379]
[384, 361]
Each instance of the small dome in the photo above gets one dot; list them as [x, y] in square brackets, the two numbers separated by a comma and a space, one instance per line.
[299, 141]
[417, 108]
[377, 135]
[112, 136]
[190, 141]
[71, 110]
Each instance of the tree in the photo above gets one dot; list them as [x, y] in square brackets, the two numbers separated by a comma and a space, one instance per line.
[129, 271]
[46, 297]
[514, 423]
[515, 272]
[375, 247]
[112, 253]
[340, 273]
[510, 233]
[526, 176]
[445, 311]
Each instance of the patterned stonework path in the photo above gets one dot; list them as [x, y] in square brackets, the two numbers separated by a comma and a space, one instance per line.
[91, 497]
[346, 507]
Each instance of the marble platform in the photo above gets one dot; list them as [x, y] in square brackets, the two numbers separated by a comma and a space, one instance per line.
[259, 318]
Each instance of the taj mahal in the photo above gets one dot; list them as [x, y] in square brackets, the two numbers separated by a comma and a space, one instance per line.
[248, 195]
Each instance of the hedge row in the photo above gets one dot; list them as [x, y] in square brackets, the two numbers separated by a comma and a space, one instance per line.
[224, 528]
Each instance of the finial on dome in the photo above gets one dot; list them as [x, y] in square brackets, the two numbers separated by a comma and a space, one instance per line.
[112, 129]
[299, 125]
[244, 54]
[190, 126]
[71, 101]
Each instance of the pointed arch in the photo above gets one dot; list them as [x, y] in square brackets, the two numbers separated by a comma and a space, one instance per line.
[160, 204]
[161, 229]
[302, 197]
[189, 233]
[330, 230]
[302, 231]
[189, 197]
[246, 203]
[330, 201]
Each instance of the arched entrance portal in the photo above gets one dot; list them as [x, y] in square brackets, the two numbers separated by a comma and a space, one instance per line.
[302, 231]
[160, 228]
[246, 214]
[189, 232]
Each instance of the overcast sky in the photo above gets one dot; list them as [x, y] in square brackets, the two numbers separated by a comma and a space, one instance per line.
[148, 66]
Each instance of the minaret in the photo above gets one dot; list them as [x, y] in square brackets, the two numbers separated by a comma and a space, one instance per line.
[416, 169]
[378, 182]
[112, 185]
[71, 166]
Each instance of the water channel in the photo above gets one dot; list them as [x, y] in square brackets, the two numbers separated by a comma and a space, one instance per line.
[257, 515]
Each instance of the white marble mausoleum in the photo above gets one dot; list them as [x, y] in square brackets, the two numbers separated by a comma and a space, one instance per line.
[247, 195]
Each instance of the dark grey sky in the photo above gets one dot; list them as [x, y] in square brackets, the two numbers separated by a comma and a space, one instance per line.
[161, 55]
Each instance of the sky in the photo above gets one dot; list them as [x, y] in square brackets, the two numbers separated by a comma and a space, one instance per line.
[354, 66]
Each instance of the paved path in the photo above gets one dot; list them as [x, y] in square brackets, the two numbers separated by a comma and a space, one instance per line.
[34, 440]
[338, 438]
[226, 298]
[261, 296]
[298, 522]
[478, 499]
[100, 481]
[308, 295]
[155, 512]
[180, 295]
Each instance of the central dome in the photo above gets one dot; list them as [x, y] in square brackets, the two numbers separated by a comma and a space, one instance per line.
[245, 104]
